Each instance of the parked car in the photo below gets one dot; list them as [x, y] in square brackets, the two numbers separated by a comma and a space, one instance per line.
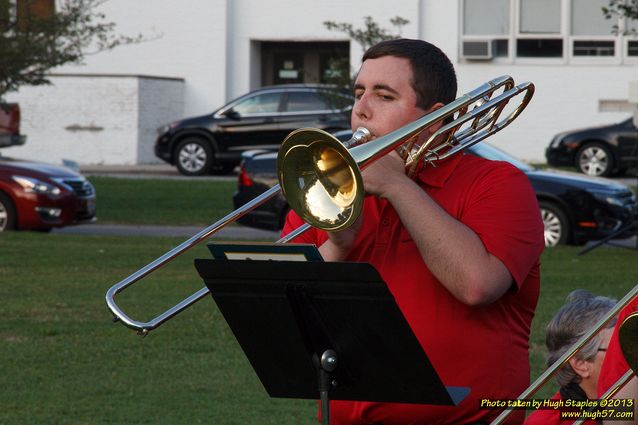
[38, 196]
[574, 208]
[596, 151]
[213, 143]
[10, 125]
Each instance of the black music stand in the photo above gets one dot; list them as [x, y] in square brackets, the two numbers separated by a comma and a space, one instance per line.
[324, 328]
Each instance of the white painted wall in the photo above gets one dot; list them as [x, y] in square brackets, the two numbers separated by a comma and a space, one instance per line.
[187, 39]
[294, 20]
[96, 119]
[566, 98]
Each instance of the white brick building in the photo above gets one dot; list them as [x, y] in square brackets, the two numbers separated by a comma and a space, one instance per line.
[203, 53]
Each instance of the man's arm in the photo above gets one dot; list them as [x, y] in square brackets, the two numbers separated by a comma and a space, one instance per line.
[451, 250]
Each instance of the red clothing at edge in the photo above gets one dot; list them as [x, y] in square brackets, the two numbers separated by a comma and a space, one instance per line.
[485, 348]
[614, 365]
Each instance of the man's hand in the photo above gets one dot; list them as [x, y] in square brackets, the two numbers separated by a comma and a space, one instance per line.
[384, 175]
[339, 243]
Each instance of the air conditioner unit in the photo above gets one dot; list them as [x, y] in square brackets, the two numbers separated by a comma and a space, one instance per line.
[477, 49]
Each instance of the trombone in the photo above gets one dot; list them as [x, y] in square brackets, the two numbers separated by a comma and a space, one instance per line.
[628, 338]
[321, 178]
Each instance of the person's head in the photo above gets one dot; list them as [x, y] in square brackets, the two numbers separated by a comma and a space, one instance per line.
[400, 81]
[579, 314]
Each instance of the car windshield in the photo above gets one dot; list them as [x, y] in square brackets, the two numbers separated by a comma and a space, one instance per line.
[490, 152]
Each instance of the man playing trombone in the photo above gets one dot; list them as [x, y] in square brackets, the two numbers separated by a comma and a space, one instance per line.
[458, 245]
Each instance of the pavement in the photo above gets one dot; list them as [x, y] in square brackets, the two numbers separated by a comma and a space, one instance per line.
[149, 171]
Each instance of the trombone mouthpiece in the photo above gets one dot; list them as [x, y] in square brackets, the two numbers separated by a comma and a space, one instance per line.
[359, 137]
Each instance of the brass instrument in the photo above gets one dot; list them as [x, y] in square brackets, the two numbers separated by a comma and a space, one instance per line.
[321, 179]
[628, 339]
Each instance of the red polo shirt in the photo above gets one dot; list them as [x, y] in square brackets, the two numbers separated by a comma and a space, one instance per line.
[615, 365]
[484, 348]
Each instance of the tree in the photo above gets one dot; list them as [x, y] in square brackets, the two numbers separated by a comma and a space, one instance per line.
[371, 34]
[34, 38]
[627, 9]
[366, 37]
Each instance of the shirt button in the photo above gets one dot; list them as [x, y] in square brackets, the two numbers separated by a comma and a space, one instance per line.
[385, 222]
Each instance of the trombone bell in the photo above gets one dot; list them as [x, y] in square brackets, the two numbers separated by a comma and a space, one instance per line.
[320, 179]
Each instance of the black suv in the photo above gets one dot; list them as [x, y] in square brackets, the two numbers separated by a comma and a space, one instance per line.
[214, 143]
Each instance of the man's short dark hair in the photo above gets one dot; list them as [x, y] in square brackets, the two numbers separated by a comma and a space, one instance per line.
[434, 79]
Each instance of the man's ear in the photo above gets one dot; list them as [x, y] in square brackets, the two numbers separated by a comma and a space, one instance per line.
[434, 127]
[583, 368]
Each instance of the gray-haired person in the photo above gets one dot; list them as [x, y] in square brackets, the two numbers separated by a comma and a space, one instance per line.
[578, 378]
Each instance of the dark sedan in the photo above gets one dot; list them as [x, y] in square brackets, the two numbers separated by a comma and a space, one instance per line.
[574, 208]
[213, 143]
[37, 196]
[596, 151]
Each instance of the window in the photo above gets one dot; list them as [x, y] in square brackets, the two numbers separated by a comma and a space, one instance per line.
[567, 30]
[486, 25]
[265, 103]
[30, 12]
[486, 17]
[305, 101]
[589, 26]
[539, 24]
[539, 48]
[540, 17]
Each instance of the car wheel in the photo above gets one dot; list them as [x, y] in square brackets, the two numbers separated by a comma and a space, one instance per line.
[7, 213]
[595, 159]
[194, 156]
[556, 226]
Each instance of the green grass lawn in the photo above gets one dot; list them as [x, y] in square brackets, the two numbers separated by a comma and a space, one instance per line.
[162, 201]
[64, 361]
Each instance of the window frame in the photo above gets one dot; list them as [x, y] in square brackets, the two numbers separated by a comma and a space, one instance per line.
[620, 42]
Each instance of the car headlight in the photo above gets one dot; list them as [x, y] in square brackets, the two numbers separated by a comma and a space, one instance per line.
[33, 185]
[608, 197]
[166, 128]
[564, 139]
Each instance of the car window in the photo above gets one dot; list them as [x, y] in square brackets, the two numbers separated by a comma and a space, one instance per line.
[264, 103]
[301, 101]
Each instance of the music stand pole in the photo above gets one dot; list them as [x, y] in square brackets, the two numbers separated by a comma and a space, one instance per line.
[325, 367]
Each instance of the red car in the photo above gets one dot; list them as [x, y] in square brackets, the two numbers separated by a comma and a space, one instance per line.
[37, 196]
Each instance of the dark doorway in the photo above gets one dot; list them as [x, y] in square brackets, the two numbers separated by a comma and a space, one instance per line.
[303, 62]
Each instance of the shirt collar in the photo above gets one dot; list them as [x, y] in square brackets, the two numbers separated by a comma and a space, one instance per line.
[437, 173]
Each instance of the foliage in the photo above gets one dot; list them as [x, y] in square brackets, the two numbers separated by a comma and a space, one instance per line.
[627, 9]
[366, 37]
[32, 43]
[371, 34]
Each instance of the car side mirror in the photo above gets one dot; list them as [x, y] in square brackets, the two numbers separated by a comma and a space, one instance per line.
[232, 114]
